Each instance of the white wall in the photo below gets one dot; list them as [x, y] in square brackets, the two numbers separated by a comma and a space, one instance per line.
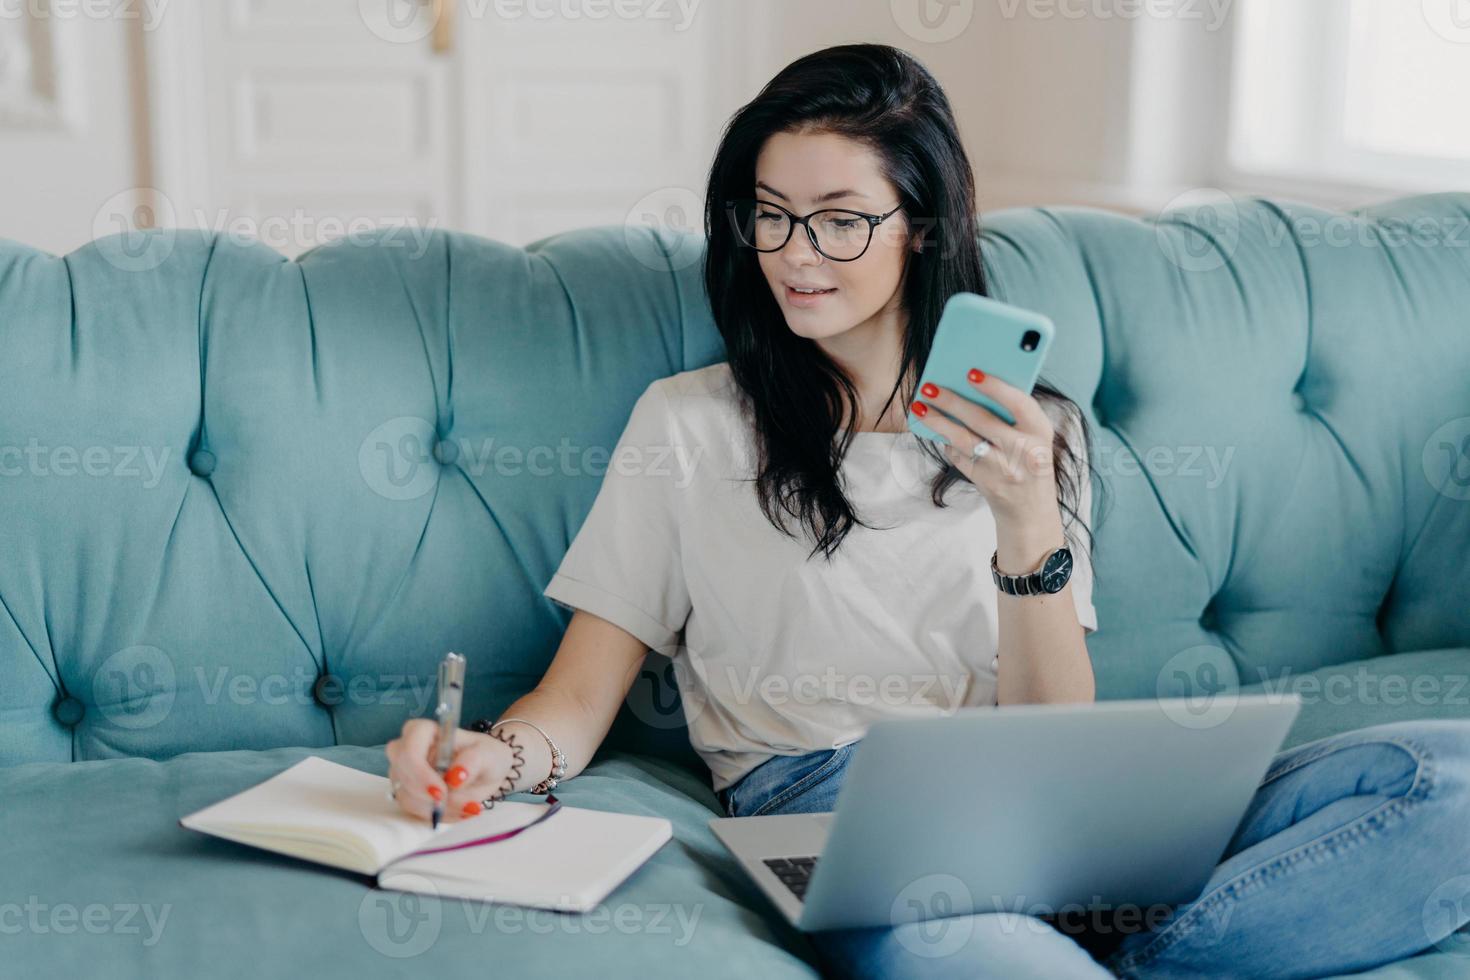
[1115, 111]
[1056, 108]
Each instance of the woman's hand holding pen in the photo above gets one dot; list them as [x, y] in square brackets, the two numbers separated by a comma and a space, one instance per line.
[575, 703]
[482, 764]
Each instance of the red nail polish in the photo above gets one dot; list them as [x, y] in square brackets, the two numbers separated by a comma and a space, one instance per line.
[930, 390]
[920, 409]
[977, 375]
[471, 809]
[436, 792]
[456, 775]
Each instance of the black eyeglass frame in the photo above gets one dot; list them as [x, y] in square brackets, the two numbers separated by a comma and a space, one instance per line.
[873, 220]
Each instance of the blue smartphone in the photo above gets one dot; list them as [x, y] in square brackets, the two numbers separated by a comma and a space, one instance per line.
[998, 338]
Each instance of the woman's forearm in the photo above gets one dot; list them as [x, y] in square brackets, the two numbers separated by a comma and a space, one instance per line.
[564, 721]
[578, 698]
[1043, 652]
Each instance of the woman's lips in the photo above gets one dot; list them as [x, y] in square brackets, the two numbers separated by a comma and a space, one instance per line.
[807, 300]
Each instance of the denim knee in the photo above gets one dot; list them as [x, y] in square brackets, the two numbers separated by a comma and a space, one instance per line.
[1446, 747]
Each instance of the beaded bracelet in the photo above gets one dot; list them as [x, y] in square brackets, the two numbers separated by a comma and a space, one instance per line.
[558, 761]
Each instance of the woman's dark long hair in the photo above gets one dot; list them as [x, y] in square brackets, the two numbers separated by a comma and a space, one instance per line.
[800, 399]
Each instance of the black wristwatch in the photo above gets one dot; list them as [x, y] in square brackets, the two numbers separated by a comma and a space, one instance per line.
[1051, 577]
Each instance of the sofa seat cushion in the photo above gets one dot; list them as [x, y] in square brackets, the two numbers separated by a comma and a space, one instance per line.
[100, 880]
[1375, 691]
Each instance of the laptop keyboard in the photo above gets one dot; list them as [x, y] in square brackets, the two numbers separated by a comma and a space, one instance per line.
[794, 872]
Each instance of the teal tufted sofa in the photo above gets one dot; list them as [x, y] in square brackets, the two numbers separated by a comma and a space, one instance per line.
[246, 504]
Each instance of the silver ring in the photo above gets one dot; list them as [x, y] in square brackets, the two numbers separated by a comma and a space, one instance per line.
[981, 448]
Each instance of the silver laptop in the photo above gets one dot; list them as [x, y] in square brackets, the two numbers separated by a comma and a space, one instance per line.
[1022, 808]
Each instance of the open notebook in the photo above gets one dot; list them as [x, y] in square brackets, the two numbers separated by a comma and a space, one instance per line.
[342, 817]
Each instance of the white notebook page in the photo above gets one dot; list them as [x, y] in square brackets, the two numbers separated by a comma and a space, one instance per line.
[318, 799]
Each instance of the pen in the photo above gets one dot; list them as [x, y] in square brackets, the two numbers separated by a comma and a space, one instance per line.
[450, 696]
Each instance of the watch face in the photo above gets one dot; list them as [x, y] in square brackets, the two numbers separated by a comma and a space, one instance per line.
[1057, 570]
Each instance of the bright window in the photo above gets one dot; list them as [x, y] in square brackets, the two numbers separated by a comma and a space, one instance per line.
[1366, 91]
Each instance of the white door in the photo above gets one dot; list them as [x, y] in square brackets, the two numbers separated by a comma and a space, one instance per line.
[299, 121]
[575, 120]
[302, 120]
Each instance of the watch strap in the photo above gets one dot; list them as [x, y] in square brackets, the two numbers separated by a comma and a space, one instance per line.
[1026, 584]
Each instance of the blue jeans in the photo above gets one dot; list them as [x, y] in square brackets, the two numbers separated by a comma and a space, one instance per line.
[1354, 852]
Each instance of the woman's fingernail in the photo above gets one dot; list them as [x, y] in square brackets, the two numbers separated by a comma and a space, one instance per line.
[930, 390]
[471, 809]
[920, 409]
[977, 375]
[436, 792]
[456, 775]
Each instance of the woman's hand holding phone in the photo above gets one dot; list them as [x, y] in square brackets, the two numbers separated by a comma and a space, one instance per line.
[989, 354]
[1017, 475]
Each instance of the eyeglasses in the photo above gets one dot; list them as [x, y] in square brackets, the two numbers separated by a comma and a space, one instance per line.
[838, 233]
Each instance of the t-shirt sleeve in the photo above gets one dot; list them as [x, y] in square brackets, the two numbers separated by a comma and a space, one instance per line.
[1081, 580]
[624, 563]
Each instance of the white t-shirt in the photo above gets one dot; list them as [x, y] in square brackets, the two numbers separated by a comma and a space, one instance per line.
[775, 654]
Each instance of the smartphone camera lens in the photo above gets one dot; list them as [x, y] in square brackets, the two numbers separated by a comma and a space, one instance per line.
[1029, 340]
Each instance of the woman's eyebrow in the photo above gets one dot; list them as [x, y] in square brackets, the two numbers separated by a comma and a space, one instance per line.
[829, 196]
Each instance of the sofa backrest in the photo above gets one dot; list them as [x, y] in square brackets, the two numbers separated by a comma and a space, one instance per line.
[1281, 402]
[247, 502]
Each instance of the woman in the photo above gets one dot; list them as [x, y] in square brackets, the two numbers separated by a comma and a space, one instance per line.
[817, 585]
